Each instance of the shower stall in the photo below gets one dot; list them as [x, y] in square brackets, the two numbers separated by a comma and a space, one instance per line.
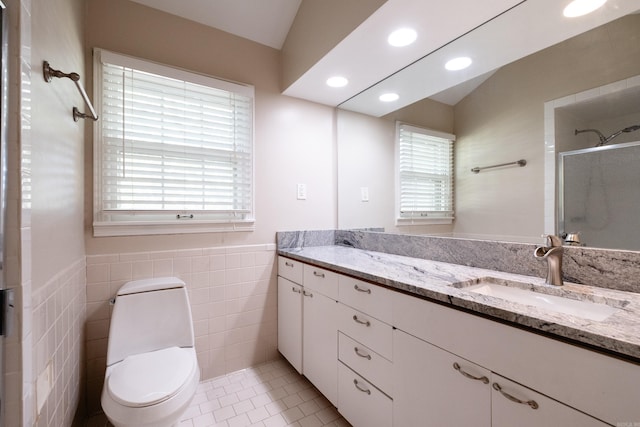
[599, 195]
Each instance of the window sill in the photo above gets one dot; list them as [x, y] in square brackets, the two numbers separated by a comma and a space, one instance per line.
[422, 221]
[106, 229]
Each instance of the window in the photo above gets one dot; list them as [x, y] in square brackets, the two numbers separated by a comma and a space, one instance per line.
[173, 150]
[424, 162]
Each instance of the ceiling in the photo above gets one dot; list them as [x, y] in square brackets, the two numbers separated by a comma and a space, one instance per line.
[264, 21]
[365, 58]
[268, 22]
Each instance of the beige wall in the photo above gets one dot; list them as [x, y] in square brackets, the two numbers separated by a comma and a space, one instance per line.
[366, 156]
[57, 150]
[294, 139]
[319, 26]
[46, 182]
[503, 121]
[230, 276]
[56, 154]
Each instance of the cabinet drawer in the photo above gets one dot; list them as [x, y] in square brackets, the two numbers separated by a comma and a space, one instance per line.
[366, 297]
[360, 402]
[365, 362]
[321, 280]
[376, 335]
[290, 269]
[513, 404]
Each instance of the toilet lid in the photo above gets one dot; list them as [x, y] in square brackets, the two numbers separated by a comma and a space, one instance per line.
[150, 378]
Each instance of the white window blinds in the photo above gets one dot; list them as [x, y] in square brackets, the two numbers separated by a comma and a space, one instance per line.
[172, 145]
[425, 173]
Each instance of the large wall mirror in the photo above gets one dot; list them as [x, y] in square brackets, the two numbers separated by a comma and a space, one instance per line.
[519, 109]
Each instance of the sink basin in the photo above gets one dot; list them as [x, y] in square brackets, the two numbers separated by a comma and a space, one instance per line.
[554, 299]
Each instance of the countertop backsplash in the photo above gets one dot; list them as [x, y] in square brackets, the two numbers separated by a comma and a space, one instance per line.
[604, 268]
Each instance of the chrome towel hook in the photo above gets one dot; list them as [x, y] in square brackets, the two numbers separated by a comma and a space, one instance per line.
[48, 73]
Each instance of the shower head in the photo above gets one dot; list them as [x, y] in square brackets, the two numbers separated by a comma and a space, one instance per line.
[631, 128]
[604, 140]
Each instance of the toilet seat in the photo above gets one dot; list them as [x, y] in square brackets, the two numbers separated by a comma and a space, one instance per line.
[150, 378]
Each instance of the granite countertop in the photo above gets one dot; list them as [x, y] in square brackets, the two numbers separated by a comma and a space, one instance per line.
[618, 333]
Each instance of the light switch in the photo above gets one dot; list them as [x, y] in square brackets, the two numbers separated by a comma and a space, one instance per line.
[302, 192]
[364, 194]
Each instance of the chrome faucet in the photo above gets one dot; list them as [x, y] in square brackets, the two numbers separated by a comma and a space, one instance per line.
[553, 254]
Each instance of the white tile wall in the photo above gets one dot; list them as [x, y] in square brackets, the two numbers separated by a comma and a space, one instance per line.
[59, 311]
[233, 299]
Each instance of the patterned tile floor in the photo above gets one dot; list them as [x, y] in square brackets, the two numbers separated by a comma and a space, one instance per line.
[269, 395]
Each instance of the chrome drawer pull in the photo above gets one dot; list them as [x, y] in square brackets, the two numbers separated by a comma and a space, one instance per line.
[307, 294]
[484, 379]
[366, 322]
[364, 390]
[368, 291]
[315, 273]
[288, 264]
[532, 403]
[365, 356]
[297, 291]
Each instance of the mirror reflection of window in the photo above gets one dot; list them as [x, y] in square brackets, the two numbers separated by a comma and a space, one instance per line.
[425, 175]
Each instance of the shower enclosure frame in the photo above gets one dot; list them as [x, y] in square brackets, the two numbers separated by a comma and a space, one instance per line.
[560, 226]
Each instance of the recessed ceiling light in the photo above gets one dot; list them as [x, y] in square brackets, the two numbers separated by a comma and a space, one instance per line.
[337, 81]
[458, 63]
[389, 97]
[402, 37]
[582, 7]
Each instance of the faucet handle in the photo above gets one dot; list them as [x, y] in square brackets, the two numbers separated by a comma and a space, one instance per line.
[553, 240]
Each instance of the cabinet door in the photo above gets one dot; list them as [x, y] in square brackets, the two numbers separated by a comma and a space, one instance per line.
[320, 343]
[515, 405]
[290, 322]
[432, 387]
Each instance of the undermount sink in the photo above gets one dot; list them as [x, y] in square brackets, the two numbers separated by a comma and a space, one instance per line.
[550, 298]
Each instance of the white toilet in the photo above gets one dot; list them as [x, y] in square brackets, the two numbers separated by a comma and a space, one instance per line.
[152, 369]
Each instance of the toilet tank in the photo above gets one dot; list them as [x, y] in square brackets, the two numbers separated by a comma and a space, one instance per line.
[149, 315]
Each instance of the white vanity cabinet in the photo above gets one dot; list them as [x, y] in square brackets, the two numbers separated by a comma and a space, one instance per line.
[307, 319]
[566, 381]
[360, 402]
[385, 358]
[436, 388]
[515, 405]
[290, 322]
[365, 350]
[290, 311]
[433, 387]
[319, 343]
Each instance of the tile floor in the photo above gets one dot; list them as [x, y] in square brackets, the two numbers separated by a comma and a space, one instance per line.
[269, 395]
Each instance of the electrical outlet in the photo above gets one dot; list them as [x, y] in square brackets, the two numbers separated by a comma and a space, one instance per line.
[302, 192]
[364, 194]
